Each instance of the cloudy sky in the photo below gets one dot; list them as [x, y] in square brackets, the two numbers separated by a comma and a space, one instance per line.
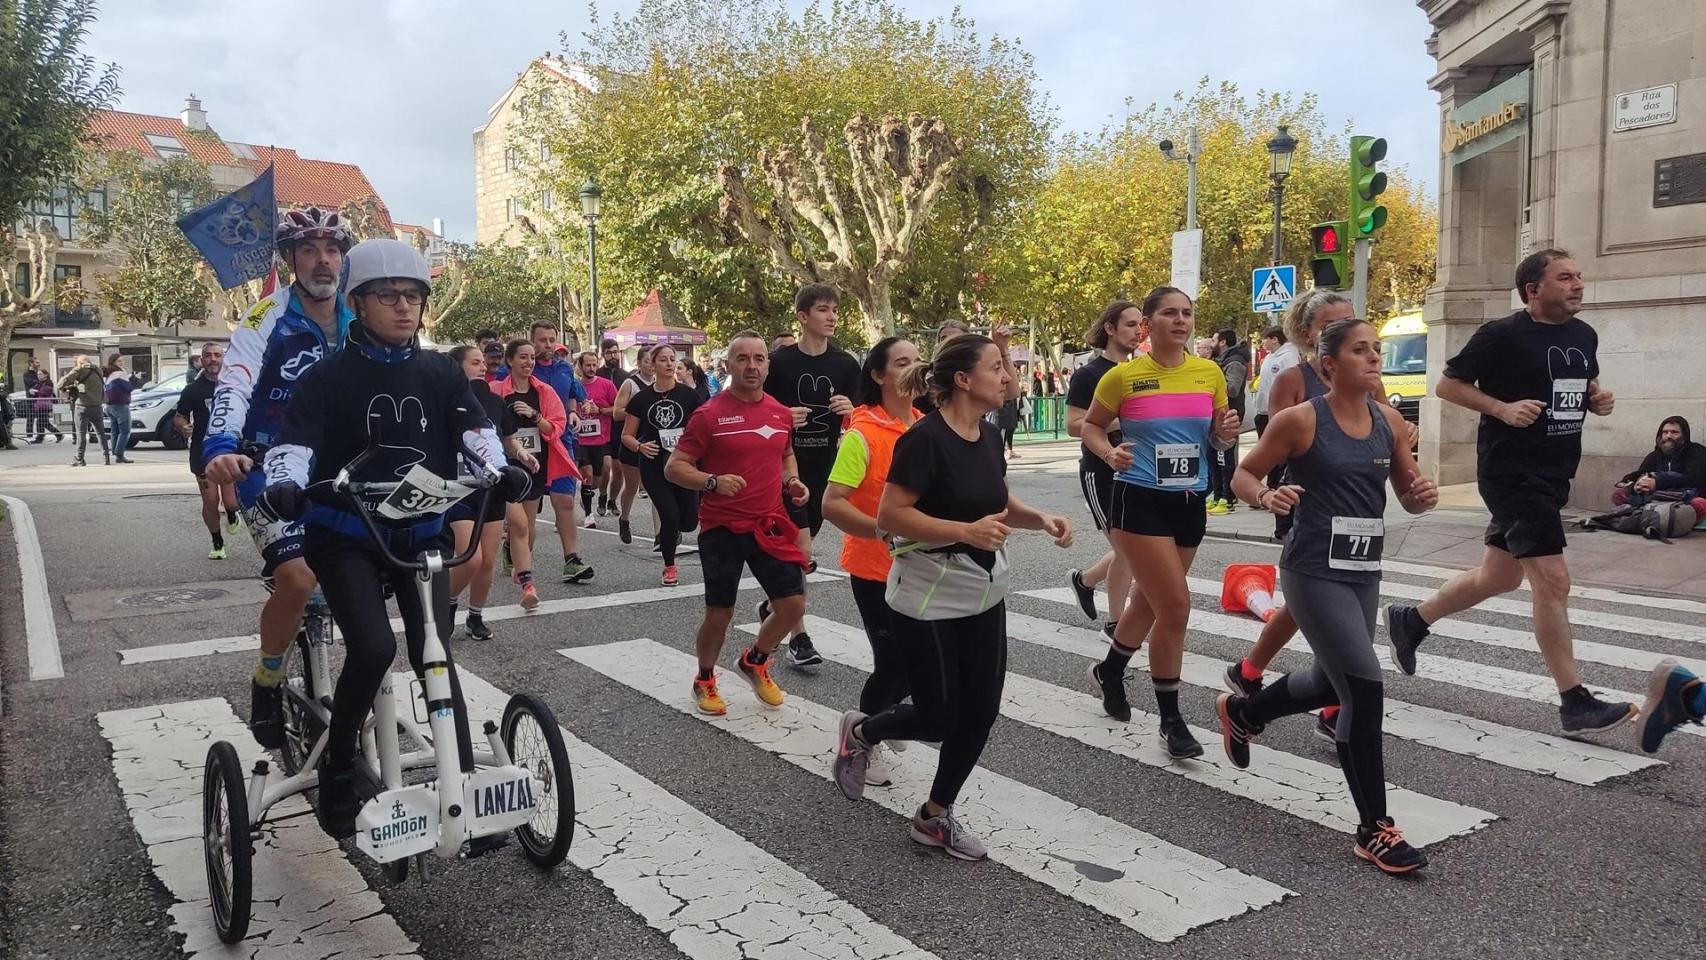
[398, 86]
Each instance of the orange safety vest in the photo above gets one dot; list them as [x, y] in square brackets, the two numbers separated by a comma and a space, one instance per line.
[864, 557]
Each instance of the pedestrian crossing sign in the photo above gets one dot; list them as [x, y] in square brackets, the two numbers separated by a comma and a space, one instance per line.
[1272, 288]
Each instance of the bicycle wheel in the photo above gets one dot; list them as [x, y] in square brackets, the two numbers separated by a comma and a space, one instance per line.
[301, 726]
[226, 847]
[535, 744]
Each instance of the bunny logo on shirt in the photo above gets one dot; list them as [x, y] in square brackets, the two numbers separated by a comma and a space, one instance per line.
[394, 436]
[814, 393]
[1570, 372]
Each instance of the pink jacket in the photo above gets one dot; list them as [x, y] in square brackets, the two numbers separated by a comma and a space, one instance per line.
[553, 420]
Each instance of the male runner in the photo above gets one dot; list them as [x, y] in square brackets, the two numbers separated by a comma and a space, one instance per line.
[593, 437]
[561, 377]
[195, 405]
[737, 450]
[609, 498]
[282, 338]
[1533, 377]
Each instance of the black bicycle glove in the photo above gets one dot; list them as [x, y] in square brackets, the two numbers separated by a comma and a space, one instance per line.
[285, 501]
[515, 483]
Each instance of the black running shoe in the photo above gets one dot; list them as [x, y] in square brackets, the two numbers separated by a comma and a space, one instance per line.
[801, 652]
[1385, 847]
[1234, 735]
[1593, 715]
[1237, 684]
[1177, 738]
[476, 627]
[338, 803]
[1086, 594]
[1404, 633]
[624, 532]
[1112, 691]
[266, 715]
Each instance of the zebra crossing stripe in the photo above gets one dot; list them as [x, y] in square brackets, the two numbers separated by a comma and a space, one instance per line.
[1570, 760]
[309, 900]
[1155, 888]
[1600, 594]
[1281, 781]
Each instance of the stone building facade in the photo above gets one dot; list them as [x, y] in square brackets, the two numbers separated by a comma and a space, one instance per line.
[503, 164]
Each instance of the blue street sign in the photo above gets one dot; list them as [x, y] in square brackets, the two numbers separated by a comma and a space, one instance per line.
[1272, 288]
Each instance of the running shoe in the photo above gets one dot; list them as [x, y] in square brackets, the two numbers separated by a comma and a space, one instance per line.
[1085, 593]
[947, 834]
[671, 576]
[529, 597]
[1238, 683]
[1176, 737]
[758, 674]
[1404, 633]
[1670, 687]
[811, 567]
[1218, 508]
[852, 756]
[233, 526]
[801, 651]
[476, 628]
[266, 714]
[877, 769]
[603, 507]
[707, 700]
[1327, 725]
[576, 570]
[1384, 846]
[624, 532]
[589, 522]
[1112, 691]
[1593, 715]
[217, 553]
[1235, 737]
[657, 546]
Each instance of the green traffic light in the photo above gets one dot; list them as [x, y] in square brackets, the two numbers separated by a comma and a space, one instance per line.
[1371, 219]
[1367, 183]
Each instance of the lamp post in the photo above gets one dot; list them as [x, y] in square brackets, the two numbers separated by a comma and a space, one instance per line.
[1193, 148]
[1280, 149]
[590, 196]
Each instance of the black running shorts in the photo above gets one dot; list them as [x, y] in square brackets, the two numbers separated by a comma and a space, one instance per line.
[1525, 509]
[1097, 480]
[1179, 514]
[725, 555]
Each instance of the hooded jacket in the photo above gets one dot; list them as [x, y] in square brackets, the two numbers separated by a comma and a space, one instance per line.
[1683, 470]
[1235, 363]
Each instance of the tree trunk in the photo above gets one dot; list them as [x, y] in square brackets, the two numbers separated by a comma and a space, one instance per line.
[877, 305]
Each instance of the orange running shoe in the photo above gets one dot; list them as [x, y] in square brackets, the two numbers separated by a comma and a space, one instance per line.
[529, 598]
[706, 698]
[758, 674]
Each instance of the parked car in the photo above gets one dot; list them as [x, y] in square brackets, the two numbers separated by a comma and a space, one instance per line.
[152, 410]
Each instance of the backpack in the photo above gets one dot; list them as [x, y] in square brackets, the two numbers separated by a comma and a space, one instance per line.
[1666, 520]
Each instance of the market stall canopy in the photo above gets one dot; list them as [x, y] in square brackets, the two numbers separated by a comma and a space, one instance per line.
[656, 320]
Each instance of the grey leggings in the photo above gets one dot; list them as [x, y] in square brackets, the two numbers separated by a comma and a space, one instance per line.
[1338, 621]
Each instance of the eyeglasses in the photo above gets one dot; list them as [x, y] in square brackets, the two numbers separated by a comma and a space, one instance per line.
[389, 298]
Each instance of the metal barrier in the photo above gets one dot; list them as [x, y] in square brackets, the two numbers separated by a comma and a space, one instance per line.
[1046, 423]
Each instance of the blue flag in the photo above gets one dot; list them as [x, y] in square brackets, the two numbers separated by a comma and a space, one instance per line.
[235, 232]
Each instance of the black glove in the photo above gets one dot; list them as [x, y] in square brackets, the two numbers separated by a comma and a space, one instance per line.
[285, 501]
[515, 483]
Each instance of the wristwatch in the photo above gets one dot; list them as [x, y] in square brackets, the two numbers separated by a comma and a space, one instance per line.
[710, 483]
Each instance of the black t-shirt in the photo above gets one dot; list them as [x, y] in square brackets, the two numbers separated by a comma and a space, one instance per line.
[526, 429]
[799, 380]
[1519, 358]
[195, 404]
[1081, 393]
[661, 417]
[614, 374]
[955, 478]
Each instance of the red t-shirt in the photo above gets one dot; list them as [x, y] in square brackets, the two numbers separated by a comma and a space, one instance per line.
[749, 440]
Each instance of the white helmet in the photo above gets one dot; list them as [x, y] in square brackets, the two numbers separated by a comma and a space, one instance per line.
[380, 259]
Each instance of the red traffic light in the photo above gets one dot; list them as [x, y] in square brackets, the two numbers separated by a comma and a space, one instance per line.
[1326, 240]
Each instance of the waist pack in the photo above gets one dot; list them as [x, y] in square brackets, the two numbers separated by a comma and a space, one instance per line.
[1662, 520]
[939, 583]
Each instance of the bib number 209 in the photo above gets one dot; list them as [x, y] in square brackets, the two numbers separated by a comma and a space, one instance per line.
[1177, 464]
[1356, 543]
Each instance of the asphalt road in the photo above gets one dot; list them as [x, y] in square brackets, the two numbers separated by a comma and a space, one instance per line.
[727, 840]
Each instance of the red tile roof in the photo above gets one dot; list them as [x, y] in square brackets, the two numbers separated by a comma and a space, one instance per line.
[117, 130]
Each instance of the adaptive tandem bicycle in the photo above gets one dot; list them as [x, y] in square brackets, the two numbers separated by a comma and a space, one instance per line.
[522, 783]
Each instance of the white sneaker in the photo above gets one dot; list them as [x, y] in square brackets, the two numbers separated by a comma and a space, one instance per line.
[876, 769]
[590, 523]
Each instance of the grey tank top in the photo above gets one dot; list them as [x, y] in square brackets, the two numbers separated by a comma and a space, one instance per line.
[1339, 530]
[1312, 385]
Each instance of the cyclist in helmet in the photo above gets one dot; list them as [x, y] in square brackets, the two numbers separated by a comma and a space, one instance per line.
[404, 407]
[281, 339]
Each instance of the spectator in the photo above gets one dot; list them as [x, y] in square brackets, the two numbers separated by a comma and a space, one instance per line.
[785, 340]
[1675, 470]
[84, 388]
[119, 386]
[5, 418]
[38, 409]
[1278, 354]
[1233, 355]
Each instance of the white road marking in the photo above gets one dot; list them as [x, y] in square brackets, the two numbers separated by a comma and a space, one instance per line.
[1600, 594]
[39, 625]
[1640, 626]
[1571, 760]
[1289, 784]
[309, 901]
[1159, 890]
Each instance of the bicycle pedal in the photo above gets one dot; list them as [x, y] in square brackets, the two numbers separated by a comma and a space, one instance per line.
[480, 846]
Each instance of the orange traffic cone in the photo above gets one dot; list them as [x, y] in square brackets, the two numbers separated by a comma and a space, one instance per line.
[1249, 587]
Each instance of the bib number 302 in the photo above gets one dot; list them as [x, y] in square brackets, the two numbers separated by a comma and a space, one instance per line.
[1177, 464]
[1356, 543]
[422, 494]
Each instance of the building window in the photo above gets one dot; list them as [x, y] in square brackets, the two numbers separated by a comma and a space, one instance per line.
[509, 209]
[166, 147]
[64, 209]
[512, 158]
[547, 200]
[21, 280]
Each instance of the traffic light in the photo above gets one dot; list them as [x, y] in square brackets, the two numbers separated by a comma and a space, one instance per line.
[1327, 254]
[1367, 183]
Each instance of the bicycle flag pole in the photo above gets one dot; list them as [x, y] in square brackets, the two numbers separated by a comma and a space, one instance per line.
[235, 233]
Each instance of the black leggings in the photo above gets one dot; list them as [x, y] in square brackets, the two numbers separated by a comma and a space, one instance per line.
[677, 506]
[887, 684]
[956, 668]
[1007, 436]
[1338, 621]
[352, 576]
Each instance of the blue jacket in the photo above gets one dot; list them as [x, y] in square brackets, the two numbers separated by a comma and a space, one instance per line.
[561, 376]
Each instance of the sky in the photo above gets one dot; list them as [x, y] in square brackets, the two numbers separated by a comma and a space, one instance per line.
[398, 86]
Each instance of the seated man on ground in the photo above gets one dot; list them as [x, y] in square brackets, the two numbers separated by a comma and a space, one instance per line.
[1675, 470]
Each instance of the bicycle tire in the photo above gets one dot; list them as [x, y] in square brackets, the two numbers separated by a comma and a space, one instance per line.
[230, 887]
[557, 802]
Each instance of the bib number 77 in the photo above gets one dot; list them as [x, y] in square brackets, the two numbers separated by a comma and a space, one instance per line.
[1356, 543]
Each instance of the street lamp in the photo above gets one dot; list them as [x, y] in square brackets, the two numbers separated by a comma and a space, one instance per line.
[590, 195]
[1193, 148]
[1280, 149]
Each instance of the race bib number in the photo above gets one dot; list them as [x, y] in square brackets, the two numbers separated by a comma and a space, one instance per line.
[667, 439]
[1356, 543]
[1569, 399]
[1177, 464]
[421, 494]
[587, 427]
[527, 438]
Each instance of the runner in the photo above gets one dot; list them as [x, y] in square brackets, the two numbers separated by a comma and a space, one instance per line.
[627, 460]
[281, 339]
[592, 451]
[1342, 448]
[657, 415]
[883, 413]
[1115, 333]
[814, 379]
[612, 370]
[540, 421]
[1173, 415]
[561, 375]
[476, 575]
[1533, 377]
[195, 405]
[947, 498]
[738, 450]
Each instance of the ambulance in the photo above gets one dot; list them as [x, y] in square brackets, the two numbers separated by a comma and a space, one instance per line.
[1404, 362]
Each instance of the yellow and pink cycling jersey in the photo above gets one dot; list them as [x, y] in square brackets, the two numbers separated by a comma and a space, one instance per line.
[1167, 415]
